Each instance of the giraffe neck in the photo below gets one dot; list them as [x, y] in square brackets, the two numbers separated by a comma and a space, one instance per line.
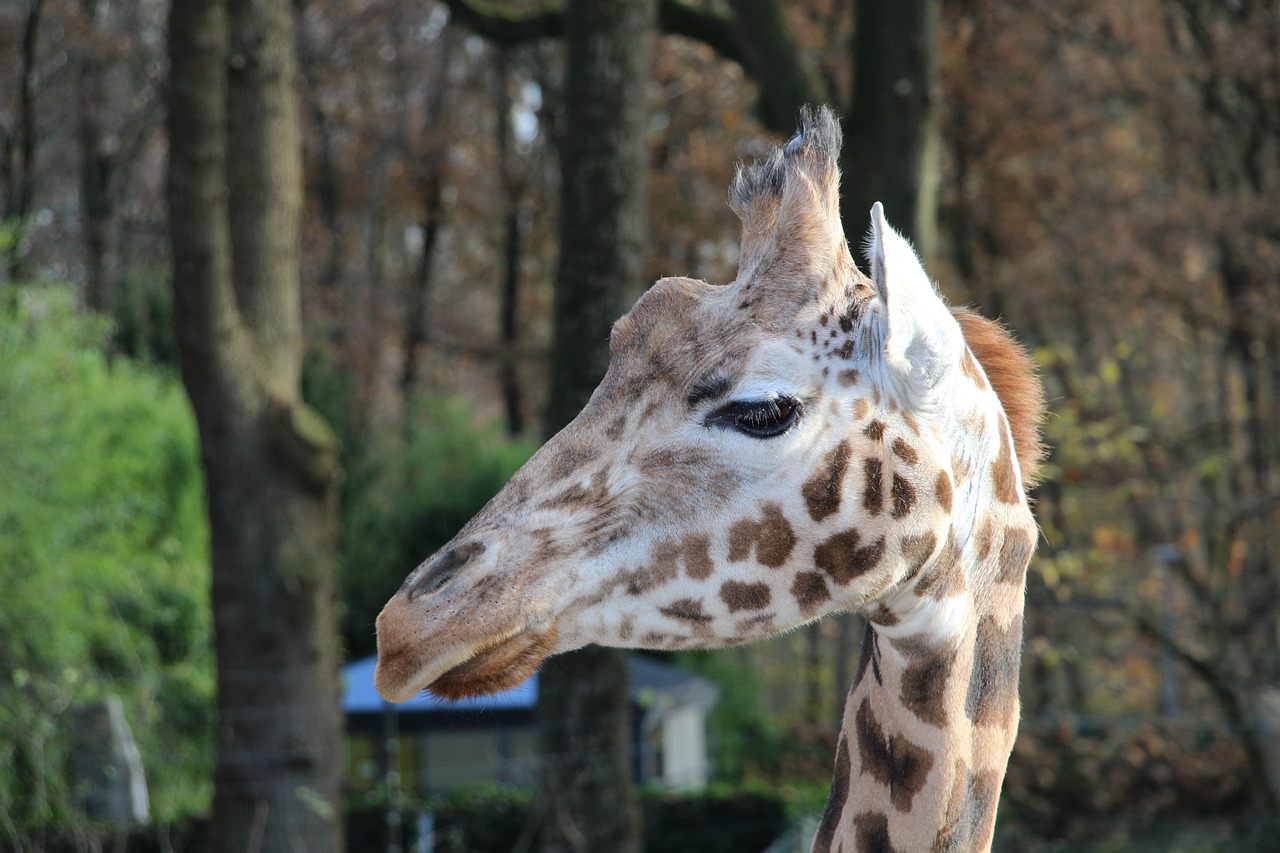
[932, 715]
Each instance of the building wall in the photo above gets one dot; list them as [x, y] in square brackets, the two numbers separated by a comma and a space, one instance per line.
[684, 749]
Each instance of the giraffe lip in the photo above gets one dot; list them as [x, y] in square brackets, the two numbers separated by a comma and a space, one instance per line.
[473, 659]
[496, 667]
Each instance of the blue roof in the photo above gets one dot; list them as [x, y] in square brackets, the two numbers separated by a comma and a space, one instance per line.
[647, 676]
[359, 696]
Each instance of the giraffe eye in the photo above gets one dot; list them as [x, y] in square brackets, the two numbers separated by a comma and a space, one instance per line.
[757, 418]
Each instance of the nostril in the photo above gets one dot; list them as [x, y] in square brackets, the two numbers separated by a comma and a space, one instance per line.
[435, 573]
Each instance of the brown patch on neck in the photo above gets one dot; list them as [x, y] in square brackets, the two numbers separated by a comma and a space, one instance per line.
[1013, 376]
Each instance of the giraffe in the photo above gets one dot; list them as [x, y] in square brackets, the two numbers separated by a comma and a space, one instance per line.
[802, 441]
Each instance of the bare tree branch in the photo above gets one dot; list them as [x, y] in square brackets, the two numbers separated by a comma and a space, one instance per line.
[505, 26]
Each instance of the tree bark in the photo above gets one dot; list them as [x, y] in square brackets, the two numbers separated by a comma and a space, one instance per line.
[270, 462]
[20, 149]
[775, 62]
[513, 197]
[602, 186]
[95, 170]
[892, 138]
[583, 703]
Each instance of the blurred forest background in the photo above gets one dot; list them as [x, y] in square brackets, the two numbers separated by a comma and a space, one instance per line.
[1107, 181]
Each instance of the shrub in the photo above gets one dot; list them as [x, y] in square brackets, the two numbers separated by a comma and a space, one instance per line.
[103, 563]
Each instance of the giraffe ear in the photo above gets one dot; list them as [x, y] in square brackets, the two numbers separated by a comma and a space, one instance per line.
[922, 339]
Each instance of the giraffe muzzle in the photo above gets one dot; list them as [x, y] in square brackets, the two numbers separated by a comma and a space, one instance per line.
[432, 576]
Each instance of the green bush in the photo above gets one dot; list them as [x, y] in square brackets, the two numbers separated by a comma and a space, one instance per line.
[495, 819]
[103, 562]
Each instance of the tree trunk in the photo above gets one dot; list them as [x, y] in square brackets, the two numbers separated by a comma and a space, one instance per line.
[892, 139]
[270, 461]
[513, 196]
[602, 205]
[95, 169]
[583, 704]
[19, 159]
[775, 61]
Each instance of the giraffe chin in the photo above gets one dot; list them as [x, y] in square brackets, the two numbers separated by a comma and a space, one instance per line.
[496, 668]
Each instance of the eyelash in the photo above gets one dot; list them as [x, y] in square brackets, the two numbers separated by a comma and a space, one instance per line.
[758, 418]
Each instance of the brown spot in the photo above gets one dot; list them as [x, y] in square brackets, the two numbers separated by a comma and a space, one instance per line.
[616, 429]
[772, 537]
[847, 379]
[823, 491]
[842, 559]
[869, 655]
[993, 683]
[567, 460]
[1015, 553]
[893, 760]
[651, 410]
[942, 488]
[873, 492]
[860, 409]
[916, 551]
[969, 365]
[742, 535]
[548, 548]
[875, 430]
[951, 837]
[745, 596]
[627, 628]
[904, 451]
[882, 615]
[1002, 476]
[903, 495]
[594, 493]
[846, 322]
[982, 540]
[664, 569]
[823, 319]
[844, 351]
[762, 623]
[945, 576]
[910, 420]
[836, 799]
[810, 590]
[924, 684]
[980, 805]
[871, 833]
[697, 557]
[971, 811]
[687, 610]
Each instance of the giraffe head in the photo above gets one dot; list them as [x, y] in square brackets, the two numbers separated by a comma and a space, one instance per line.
[758, 454]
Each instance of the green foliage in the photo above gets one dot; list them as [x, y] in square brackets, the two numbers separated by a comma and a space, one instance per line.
[406, 500]
[103, 564]
[141, 311]
[494, 818]
[713, 822]
[746, 740]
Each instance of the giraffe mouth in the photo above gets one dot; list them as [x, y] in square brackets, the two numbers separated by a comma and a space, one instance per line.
[471, 660]
[496, 668]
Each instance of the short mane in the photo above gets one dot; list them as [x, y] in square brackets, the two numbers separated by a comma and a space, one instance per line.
[1013, 376]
